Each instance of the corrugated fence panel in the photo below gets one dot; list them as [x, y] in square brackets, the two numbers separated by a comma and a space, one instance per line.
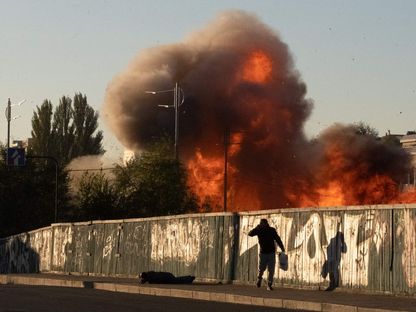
[380, 250]
[191, 246]
[18, 256]
[411, 254]
[369, 247]
[40, 243]
[60, 240]
[134, 255]
[110, 252]
[405, 249]
[362, 257]
[80, 249]
[98, 240]
[70, 263]
[230, 243]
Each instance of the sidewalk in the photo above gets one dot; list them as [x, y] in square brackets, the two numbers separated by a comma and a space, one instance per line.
[297, 299]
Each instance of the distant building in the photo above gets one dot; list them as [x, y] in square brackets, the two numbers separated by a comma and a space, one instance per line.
[391, 136]
[408, 142]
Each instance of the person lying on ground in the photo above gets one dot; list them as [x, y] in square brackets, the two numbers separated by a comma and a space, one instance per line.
[153, 277]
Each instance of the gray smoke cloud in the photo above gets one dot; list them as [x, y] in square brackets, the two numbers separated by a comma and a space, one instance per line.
[236, 73]
[90, 164]
[206, 65]
[209, 66]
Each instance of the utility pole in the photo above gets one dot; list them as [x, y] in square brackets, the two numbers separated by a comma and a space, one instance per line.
[176, 107]
[226, 144]
[178, 99]
[9, 118]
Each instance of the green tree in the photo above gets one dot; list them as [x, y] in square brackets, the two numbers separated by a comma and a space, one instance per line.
[96, 198]
[70, 133]
[154, 184]
[27, 196]
[363, 128]
[85, 121]
[42, 132]
[64, 130]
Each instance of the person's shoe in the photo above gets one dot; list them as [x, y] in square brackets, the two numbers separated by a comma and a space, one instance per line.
[258, 284]
[269, 287]
[330, 288]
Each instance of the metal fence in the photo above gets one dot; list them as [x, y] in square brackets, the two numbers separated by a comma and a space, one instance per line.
[379, 253]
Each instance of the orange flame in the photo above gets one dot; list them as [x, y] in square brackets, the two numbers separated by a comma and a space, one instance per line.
[343, 175]
[409, 196]
[205, 178]
[258, 68]
[341, 181]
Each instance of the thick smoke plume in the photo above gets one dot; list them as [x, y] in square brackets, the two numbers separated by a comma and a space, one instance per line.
[238, 77]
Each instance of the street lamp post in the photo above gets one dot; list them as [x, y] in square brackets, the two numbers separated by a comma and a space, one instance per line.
[9, 117]
[178, 99]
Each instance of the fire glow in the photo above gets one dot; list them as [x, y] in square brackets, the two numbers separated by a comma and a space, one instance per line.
[258, 68]
[238, 75]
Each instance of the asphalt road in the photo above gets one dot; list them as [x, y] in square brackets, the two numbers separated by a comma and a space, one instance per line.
[15, 298]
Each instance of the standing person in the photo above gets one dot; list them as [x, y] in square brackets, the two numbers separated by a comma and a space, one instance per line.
[267, 236]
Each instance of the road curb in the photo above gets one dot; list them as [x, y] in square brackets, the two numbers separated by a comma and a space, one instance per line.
[189, 294]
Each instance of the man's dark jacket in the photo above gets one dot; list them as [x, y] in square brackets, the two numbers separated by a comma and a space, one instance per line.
[267, 236]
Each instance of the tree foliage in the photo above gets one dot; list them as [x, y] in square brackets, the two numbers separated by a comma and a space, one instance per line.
[363, 128]
[154, 183]
[70, 132]
[96, 198]
[63, 130]
[27, 195]
[85, 122]
[42, 133]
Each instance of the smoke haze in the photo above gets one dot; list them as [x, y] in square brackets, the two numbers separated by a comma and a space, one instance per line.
[87, 164]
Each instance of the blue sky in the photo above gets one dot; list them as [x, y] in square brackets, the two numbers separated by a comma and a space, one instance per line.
[357, 58]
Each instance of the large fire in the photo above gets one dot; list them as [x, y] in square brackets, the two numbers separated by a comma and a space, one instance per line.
[258, 68]
[245, 106]
[206, 176]
[340, 178]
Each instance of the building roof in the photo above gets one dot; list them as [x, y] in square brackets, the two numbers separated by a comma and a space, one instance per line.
[408, 138]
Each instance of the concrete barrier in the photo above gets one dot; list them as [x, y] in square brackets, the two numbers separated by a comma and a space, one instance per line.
[377, 252]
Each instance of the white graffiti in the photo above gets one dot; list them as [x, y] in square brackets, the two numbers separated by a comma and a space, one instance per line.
[306, 236]
[108, 247]
[179, 241]
[62, 241]
[363, 231]
[407, 229]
